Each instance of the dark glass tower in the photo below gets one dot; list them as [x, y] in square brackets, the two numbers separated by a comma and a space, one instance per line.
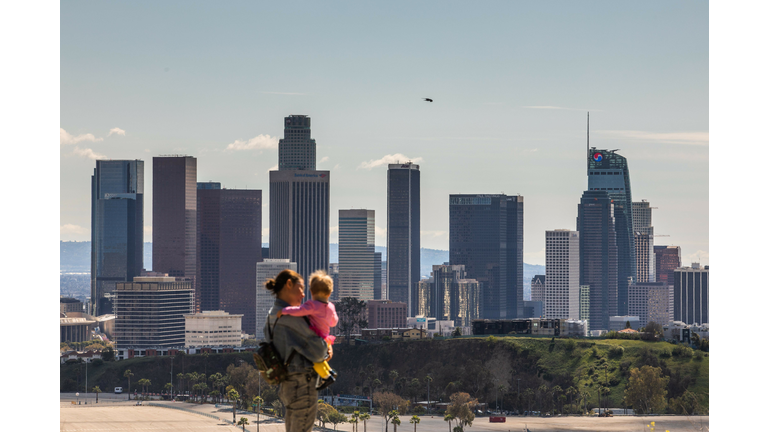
[174, 217]
[403, 234]
[486, 236]
[598, 256]
[608, 172]
[117, 228]
[229, 246]
[297, 150]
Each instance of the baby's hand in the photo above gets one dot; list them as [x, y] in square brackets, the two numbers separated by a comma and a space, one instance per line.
[279, 313]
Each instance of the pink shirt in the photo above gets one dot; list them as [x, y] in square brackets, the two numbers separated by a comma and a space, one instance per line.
[321, 315]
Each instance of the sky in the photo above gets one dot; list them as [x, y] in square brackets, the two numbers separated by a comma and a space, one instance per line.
[511, 82]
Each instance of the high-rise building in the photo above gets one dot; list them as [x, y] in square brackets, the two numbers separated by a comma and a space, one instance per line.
[149, 312]
[297, 150]
[584, 305]
[561, 292]
[643, 229]
[358, 277]
[117, 229]
[537, 288]
[667, 260]
[691, 294]
[174, 217]
[333, 272]
[486, 236]
[608, 172]
[228, 248]
[650, 302]
[265, 270]
[213, 329]
[403, 231]
[598, 256]
[450, 295]
[384, 293]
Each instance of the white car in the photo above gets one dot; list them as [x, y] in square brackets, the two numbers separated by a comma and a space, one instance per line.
[118, 390]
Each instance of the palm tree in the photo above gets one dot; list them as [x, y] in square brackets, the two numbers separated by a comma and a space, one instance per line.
[393, 377]
[354, 419]
[180, 377]
[395, 420]
[168, 387]
[233, 395]
[570, 392]
[365, 417]
[449, 418]
[556, 390]
[428, 380]
[243, 421]
[128, 374]
[374, 384]
[97, 390]
[415, 420]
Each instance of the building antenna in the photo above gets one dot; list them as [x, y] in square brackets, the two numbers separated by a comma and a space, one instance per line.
[587, 135]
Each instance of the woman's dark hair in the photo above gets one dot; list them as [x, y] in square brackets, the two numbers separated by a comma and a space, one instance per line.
[277, 284]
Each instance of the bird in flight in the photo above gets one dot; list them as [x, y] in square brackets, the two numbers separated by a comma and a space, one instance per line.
[428, 99]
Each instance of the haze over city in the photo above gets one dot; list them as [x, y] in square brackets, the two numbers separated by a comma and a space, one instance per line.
[511, 84]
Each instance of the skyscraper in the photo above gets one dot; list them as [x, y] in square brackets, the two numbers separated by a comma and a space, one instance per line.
[598, 256]
[265, 270]
[358, 276]
[299, 202]
[486, 236]
[650, 302]
[667, 260]
[643, 228]
[691, 294]
[561, 284]
[174, 218]
[117, 228]
[297, 150]
[450, 295]
[229, 246]
[403, 231]
[608, 172]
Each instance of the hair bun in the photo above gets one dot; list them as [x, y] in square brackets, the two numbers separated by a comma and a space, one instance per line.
[270, 285]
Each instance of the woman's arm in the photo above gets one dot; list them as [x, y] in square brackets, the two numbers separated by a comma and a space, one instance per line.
[308, 308]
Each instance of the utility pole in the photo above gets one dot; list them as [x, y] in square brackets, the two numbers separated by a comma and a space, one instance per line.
[171, 377]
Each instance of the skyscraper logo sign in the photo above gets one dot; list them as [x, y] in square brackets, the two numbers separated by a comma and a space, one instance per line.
[598, 157]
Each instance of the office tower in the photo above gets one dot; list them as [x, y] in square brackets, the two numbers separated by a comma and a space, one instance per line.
[357, 255]
[537, 288]
[174, 217]
[448, 295]
[268, 269]
[584, 305]
[213, 329]
[598, 256]
[228, 248]
[650, 302]
[333, 272]
[297, 150]
[386, 314]
[608, 172]
[384, 292]
[643, 229]
[117, 228]
[486, 236]
[149, 312]
[667, 260]
[403, 230]
[561, 292]
[691, 294]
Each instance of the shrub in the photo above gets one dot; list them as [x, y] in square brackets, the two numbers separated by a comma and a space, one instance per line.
[569, 345]
[664, 353]
[615, 351]
[682, 351]
[699, 356]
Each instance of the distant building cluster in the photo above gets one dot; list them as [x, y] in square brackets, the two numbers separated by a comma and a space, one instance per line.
[209, 267]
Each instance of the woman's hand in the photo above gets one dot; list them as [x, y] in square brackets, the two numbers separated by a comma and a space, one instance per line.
[330, 352]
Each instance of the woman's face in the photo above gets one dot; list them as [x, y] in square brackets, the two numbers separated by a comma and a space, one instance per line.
[293, 292]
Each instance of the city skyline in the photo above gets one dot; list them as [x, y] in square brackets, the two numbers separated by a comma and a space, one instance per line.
[509, 103]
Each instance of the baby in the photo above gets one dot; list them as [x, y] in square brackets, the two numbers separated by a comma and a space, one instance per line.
[322, 316]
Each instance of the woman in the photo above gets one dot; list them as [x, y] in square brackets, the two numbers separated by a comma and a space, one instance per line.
[300, 347]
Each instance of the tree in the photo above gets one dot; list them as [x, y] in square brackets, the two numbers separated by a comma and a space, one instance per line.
[393, 377]
[628, 325]
[428, 380]
[128, 374]
[654, 328]
[97, 390]
[647, 390]
[167, 387]
[415, 420]
[687, 404]
[233, 396]
[108, 354]
[456, 332]
[335, 417]
[243, 421]
[351, 313]
[365, 417]
[388, 403]
[354, 419]
[395, 419]
[323, 410]
[180, 377]
[144, 383]
[462, 407]
[449, 418]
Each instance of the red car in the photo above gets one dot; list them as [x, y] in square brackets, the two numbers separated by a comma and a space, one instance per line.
[497, 419]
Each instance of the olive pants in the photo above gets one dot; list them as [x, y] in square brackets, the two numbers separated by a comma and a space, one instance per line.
[299, 396]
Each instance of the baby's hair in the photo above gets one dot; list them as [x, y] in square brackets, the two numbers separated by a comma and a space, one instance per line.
[320, 283]
[276, 284]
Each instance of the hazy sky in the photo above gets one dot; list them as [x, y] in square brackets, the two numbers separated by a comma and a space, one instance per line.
[511, 83]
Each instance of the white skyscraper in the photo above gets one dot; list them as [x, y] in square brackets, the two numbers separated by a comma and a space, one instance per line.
[266, 270]
[359, 274]
[561, 284]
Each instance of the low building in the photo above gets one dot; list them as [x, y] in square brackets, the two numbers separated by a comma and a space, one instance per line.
[682, 332]
[86, 356]
[76, 327]
[617, 323]
[393, 333]
[433, 326]
[386, 314]
[528, 326]
[574, 328]
[68, 304]
[212, 328]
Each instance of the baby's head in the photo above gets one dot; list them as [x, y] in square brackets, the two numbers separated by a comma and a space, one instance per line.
[320, 285]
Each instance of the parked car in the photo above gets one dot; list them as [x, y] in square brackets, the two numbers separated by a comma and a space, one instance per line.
[118, 390]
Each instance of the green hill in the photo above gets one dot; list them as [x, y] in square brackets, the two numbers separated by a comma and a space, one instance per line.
[471, 364]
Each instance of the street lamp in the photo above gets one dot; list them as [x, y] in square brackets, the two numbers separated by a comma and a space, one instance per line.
[171, 378]
[77, 395]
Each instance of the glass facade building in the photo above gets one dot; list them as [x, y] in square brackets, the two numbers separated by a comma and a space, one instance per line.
[667, 260]
[486, 236]
[450, 296]
[598, 256]
[297, 150]
[359, 276]
[691, 295]
[229, 246]
[403, 233]
[643, 228]
[608, 172]
[117, 229]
